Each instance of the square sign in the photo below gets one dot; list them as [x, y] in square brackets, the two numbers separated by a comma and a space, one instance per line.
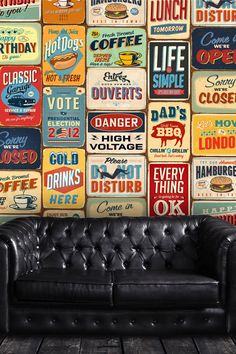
[64, 11]
[119, 176]
[63, 116]
[20, 192]
[169, 70]
[21, 95]
[20, 10]
[63, 55]
[63, 178]
[169, 189]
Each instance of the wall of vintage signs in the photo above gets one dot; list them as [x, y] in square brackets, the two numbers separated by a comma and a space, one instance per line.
[122, 108]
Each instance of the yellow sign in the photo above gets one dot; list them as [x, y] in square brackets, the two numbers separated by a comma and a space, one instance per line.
[63, 55]
[214, 134]
[63, 178]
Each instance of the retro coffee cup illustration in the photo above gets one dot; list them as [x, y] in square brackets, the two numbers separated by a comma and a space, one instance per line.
[129, 59]
[64, 4]
[24, 202]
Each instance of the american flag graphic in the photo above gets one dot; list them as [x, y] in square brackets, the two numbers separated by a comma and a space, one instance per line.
[61, 133]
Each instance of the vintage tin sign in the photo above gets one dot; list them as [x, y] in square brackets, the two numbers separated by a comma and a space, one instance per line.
[117, 176]
[213, 13]
[214, 48]
[64, 11]
[169, 189]
[20, 148]
[169, 70]
[113, 47]
[20, 192]
[63, 178]
[63, 55]
[223, 210]
[214, 92]
[116, 132]
[20, 10]
[115, 207]
[64, 116]
[116, 13]
[64, 213]
[168, 19]
[214, 134]
[116, 89]
[20, 44]
[169, 131]
[214, 178]
[21, 95]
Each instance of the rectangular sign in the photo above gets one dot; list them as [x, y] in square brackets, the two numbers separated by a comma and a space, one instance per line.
[116, 89]
[116, 47]
[63, 178]
[214, 92]
[64, 11]
[63, 55]
[20, 148]
[214, 178]
[20, 10]
[169, 131]
[214, 134]
[115, 207]
[20, 192]
[169, 189]
[21, 95]
[168, 19]
[64, 213]
[117, 176]
[116, 13]
[169, 70]
[63, 116]
[20, 44]
[117, 132]
[213, 13]
[223, 210]
[214, 48]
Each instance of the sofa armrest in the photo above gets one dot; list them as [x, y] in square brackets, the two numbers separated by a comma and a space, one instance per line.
[215, 238]
[4, 289]
[20, 235]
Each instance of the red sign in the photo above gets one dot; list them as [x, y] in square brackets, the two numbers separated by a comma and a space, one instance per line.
[169, 189]
[20, 95]
[55, 180]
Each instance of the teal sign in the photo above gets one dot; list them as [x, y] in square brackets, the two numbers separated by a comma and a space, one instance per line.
[116, 47]
[29, 10]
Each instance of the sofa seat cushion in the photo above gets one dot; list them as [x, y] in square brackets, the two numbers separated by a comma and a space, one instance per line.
[166, 289]
[66, 285]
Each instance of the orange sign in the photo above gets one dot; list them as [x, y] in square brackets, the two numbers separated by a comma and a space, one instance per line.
[64, 11]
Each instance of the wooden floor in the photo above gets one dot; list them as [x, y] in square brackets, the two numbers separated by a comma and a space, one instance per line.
[72, 345]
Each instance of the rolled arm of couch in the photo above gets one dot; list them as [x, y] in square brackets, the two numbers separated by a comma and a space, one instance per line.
[20, 236]
[217, 246]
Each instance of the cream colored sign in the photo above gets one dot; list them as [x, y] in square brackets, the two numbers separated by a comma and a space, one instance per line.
[214, 178]
[214, 92]
[168, 19]
[116, 89]
[115, 207]
[20, 192]
[169, 131]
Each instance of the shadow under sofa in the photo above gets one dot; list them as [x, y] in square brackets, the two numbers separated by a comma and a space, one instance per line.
[121, 276]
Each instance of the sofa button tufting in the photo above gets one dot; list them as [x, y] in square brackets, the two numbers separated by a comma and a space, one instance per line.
[53, 321]
[29, 319]
[117, 249]
[167, 232]
[97, 322]
[181, 320]
[154, 323]
[168, 265]
[114, 321]
[206, 319]
[76, 321]
[178, 247]
[132, 322]
[126, 232]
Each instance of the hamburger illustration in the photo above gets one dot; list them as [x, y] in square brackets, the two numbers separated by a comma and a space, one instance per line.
[221, 184]
[116, 11]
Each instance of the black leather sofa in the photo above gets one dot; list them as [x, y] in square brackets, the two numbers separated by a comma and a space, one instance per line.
[125, 276]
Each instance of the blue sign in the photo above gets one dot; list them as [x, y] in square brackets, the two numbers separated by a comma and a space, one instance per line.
[64, 116]
[214, 48]
[20, 148]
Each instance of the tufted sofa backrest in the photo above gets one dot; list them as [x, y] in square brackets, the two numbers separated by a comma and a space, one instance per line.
[119, 243]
